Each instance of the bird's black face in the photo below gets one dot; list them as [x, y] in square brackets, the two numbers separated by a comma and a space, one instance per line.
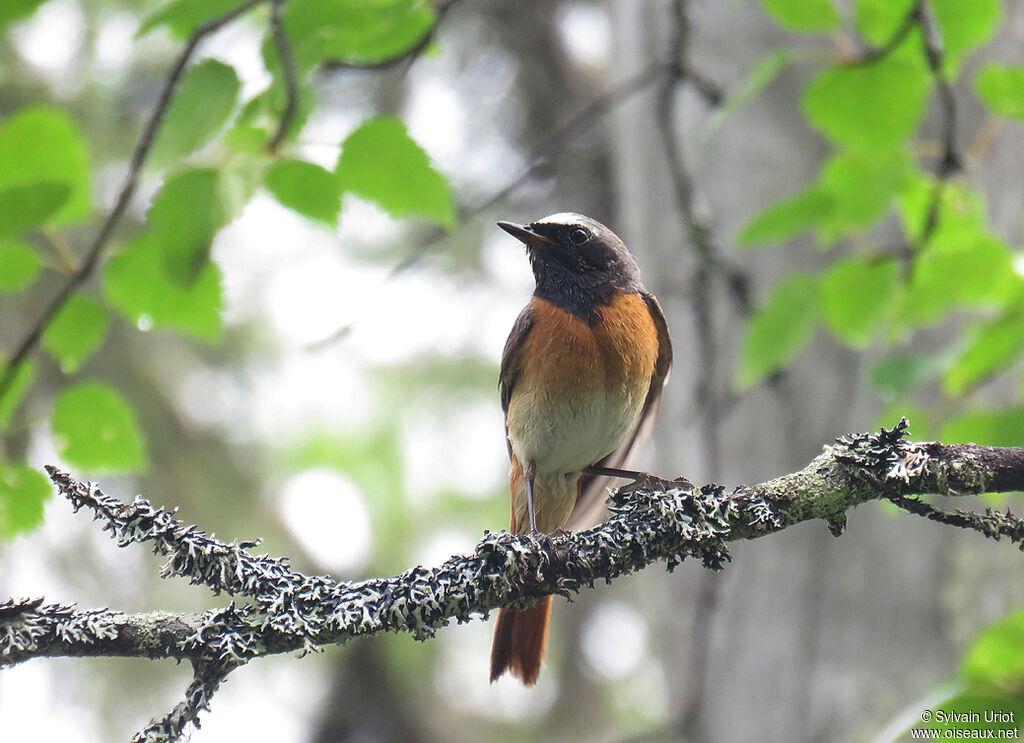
[578, 262]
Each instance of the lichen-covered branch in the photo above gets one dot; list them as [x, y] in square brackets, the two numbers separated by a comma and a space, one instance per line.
[207, 678]
[651, 520]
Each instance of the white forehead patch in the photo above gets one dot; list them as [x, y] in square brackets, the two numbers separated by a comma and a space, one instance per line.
[563, 218]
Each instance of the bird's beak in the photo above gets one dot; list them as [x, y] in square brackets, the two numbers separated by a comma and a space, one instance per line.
[525, 234]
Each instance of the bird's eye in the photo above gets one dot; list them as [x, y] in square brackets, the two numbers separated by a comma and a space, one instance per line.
[579, 236]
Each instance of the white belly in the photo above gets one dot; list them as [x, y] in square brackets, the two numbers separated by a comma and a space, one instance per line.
[575, 432]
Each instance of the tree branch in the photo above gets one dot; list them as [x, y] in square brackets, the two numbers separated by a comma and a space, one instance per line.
[135, 165]
[950, 160]
[652, 520]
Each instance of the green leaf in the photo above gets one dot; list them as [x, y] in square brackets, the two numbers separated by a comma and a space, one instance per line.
[861, 188]
[987, 427]
[247, 138]
[963, 263]
[992, 346]
[976, 273]
[236, 185]
[164, 278]
[873, 107]
[878, 20]
[855, 190]
[780, 329]
[857, 294]
[307, 188]
[182, 17]
[962, 213]
[19, 265]
[96, 429]
[44, 145]
[1002, 89]
[185, 216]
[202, 105]
[13, 10]
[138, 284]
[803, 15]
[787, 218]
[966, 25]
[380, 162]
[355, 30]
[997, 656]
[76, 331]
[23, 491]
[25, 207]
[259, 118]
[19, 386]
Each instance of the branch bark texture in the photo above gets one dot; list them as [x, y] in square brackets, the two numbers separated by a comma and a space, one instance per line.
[278, 609]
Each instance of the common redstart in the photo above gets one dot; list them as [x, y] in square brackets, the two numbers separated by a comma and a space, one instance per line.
[581, 377]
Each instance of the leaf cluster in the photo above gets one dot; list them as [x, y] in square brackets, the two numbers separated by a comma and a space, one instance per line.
[908, 240]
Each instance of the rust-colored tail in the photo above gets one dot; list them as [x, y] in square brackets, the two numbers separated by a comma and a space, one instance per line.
[520, 637]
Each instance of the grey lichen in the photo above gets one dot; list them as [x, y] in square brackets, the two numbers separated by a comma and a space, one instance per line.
[27, 624]
[885, 456]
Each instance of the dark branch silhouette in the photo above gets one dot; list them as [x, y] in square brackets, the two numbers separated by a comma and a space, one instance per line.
[135, 165]
[950, 161]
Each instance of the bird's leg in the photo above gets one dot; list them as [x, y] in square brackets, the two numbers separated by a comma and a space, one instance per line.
[530, 473]
[614, 472]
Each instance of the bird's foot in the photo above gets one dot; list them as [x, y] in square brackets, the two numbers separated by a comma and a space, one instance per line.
[646, 481]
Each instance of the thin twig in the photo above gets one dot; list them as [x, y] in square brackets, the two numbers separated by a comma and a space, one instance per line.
[993, 524]
[950, 161]
[877, 54]
[573, 127]
[291, 79]
[547, 149]
[135, 165]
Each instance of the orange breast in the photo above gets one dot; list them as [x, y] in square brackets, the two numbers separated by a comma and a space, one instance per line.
[617, 353]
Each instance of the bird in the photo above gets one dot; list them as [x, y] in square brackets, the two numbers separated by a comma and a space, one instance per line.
[580, 381]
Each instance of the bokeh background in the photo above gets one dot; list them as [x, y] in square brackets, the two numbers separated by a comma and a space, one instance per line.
[348, 411]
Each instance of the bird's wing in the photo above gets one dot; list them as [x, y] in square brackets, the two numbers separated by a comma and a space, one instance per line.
[589, 508]
[512, 361]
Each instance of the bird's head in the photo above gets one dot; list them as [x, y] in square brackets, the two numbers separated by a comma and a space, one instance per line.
[576, 255]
